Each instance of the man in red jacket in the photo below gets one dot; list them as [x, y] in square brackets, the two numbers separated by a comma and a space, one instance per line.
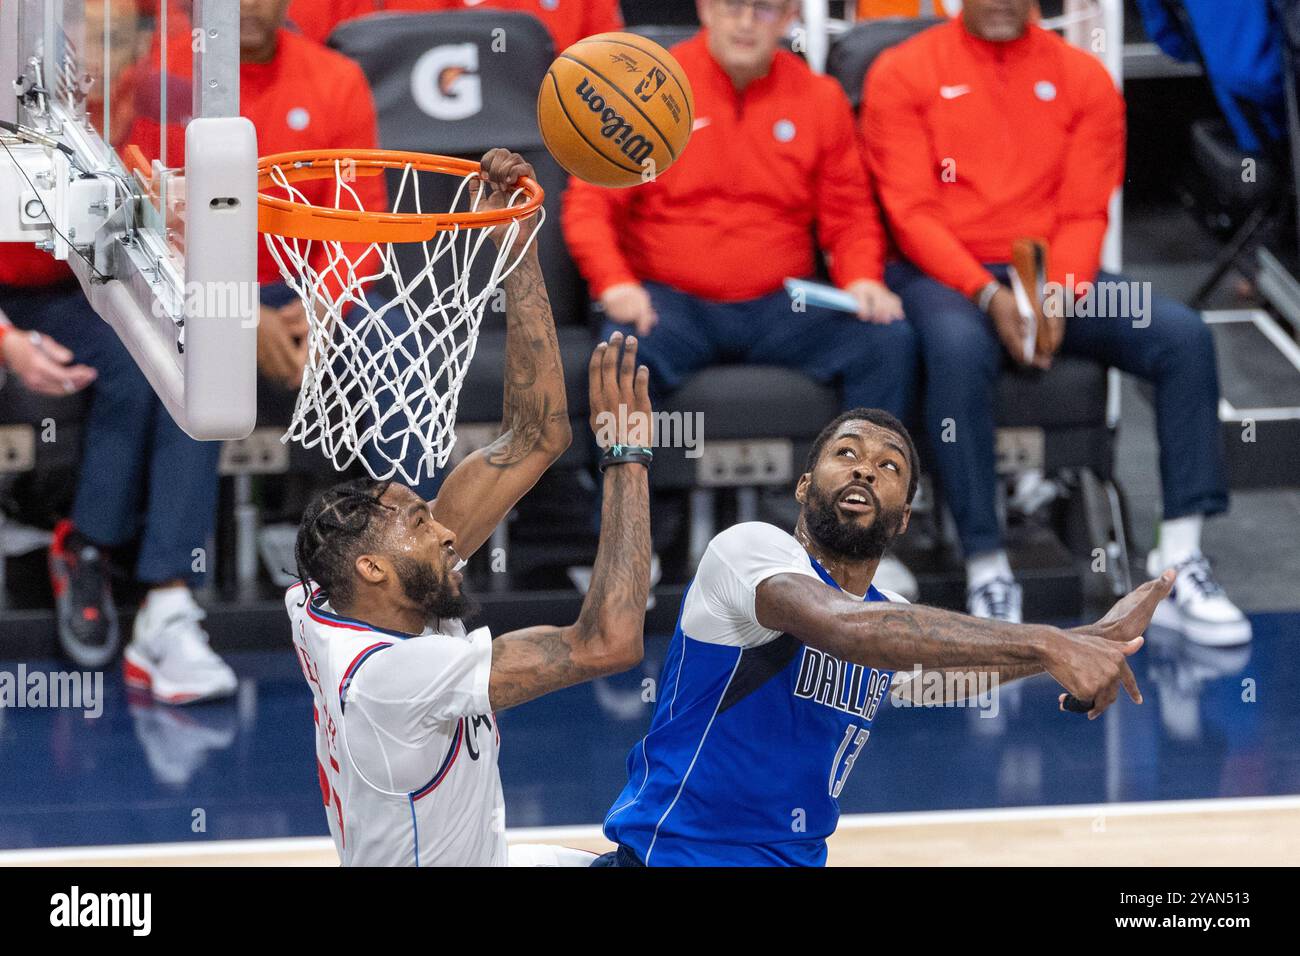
[298, 96]
[984, 130]
[695, 260]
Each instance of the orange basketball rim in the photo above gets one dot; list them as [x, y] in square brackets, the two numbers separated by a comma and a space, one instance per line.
[300, 220]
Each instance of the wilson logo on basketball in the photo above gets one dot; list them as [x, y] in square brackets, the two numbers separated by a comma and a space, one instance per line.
[613, 125]
[650, 84]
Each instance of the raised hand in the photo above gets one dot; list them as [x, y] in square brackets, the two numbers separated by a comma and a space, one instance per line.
[282, 344]
[498, 181]
[619, 394]
[1132, 613]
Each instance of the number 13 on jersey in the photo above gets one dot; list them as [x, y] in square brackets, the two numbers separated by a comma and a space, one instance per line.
[854, 739]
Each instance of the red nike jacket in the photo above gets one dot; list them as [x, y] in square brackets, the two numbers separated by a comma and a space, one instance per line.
[974, 144]
[768, 173]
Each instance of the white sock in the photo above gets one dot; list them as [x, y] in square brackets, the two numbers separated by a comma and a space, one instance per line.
[984, 567]
[1180, 538]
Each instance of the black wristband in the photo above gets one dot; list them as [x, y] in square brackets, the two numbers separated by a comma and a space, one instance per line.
[624, 454]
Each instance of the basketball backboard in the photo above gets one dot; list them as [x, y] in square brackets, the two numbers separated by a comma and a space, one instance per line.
[129, 160]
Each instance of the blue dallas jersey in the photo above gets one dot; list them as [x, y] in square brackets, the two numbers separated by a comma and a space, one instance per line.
[754, 733]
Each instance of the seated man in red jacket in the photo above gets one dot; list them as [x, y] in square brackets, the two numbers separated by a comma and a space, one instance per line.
[298, 95]
[984, 130]
[695, 260]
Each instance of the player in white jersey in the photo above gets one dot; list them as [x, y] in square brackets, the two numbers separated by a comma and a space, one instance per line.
[405, 697]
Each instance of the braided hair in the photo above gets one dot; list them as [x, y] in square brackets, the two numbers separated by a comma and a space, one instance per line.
[340, 524]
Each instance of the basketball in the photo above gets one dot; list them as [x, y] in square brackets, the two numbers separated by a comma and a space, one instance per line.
[615, 109]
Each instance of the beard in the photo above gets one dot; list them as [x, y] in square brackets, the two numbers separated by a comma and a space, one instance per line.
[846, 538]
[437, 597]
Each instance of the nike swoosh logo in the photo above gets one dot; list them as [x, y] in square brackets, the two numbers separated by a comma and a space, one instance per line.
[473, 3]
[700, 123]
[952, 92]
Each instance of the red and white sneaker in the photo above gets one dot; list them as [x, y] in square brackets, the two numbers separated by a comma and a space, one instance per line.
[83, 599]
[169, 654]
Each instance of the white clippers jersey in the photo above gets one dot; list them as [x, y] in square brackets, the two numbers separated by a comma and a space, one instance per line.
[406, 741]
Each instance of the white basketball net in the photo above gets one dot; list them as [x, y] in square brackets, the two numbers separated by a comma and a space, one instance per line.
[383, 377]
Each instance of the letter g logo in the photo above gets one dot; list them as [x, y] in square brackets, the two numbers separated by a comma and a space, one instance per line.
[445, 82]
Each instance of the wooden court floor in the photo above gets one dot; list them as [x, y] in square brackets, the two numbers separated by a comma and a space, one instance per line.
[1262, 831]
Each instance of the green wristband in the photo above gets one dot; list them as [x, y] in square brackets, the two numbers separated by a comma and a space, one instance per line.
[625, 454]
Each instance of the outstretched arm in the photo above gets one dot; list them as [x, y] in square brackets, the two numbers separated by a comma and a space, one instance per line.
[963, 687]
[607, 637]
[894, 636]
[1132, 611]
[1089, 662]
[535, 431]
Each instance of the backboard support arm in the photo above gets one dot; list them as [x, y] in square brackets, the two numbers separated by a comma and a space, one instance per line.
[204, 366]
[172, 269]
[216, 58]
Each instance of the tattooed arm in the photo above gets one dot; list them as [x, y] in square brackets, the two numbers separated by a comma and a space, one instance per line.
[1090, 663]
[965, 682]
[1126, 619]
[535, 431]
[607, 637]
[894, 636]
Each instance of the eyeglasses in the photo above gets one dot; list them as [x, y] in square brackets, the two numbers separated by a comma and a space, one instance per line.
[765, 11]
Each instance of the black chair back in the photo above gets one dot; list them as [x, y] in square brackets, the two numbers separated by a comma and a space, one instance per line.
[460, 83]
[854, 52]
[456, 83]
[666, 35]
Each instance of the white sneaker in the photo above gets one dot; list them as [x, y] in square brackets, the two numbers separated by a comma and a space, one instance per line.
[1032, 491]
[1197, 606]
[996, 600]
[892, 575]
[169, 654]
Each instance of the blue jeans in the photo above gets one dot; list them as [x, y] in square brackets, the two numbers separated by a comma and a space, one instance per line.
[962, 358]
[874, 365]
[139, 471]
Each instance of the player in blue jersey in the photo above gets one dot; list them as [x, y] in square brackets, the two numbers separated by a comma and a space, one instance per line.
[783, 655]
